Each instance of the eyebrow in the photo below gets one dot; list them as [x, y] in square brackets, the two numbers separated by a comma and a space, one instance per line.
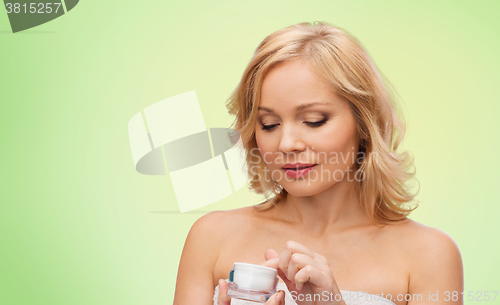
[299, 108]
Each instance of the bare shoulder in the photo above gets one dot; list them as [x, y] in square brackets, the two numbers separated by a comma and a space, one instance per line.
[421, 239]
[435, 262]
[216, 223]
[217, 218]
[205, 239]
[209, 233]
[199, 255]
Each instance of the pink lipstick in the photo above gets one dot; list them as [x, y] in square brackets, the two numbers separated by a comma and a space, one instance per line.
[298, 169]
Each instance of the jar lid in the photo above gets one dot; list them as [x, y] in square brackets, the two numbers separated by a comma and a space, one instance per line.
[246, 267]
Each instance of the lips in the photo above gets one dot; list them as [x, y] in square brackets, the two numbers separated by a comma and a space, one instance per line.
[297, 166]
[300, 170]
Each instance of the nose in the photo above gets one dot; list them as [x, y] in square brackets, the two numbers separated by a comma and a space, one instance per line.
[291, 140]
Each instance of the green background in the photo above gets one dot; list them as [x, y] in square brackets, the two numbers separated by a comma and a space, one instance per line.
[78, 224]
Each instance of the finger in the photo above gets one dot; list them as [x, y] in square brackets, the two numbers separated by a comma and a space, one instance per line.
[312, 275]
[299, 261]
[271, 263]
[271, 253]
[290, 268]
[293, 268]
[271, 257]
[296, 247]
[292, 247]
[291, 263]
[274, 263]
[277, 299]
[223, 299]
[284, 260]
[289, 284]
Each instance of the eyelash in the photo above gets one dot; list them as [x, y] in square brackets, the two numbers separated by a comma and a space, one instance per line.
[311, 124]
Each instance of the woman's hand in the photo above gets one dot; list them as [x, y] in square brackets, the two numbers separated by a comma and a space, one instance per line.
[306, 274]
[277, 298]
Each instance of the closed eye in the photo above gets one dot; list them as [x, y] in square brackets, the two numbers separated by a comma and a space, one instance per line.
[317, 124]
[311, 124]
[268, 127]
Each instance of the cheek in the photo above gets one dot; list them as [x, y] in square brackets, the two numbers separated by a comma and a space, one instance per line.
[340, 149]
[265, 149]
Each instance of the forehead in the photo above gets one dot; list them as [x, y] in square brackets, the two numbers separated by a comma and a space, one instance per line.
[293, 83]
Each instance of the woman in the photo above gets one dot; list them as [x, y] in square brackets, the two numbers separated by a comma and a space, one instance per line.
[321, 135]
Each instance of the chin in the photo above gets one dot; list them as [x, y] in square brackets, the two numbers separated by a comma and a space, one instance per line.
[303, 189]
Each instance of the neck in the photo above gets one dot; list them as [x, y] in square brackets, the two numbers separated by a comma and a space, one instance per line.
[333, 210]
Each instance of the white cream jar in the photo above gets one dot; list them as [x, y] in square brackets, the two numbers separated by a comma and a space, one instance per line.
[252, 282]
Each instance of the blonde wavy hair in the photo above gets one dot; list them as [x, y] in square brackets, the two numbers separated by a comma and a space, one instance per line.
[341, 60]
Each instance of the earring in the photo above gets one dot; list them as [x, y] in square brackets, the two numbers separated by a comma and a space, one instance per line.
[276, 182]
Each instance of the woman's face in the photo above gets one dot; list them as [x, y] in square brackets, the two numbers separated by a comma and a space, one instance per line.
[301, 120]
